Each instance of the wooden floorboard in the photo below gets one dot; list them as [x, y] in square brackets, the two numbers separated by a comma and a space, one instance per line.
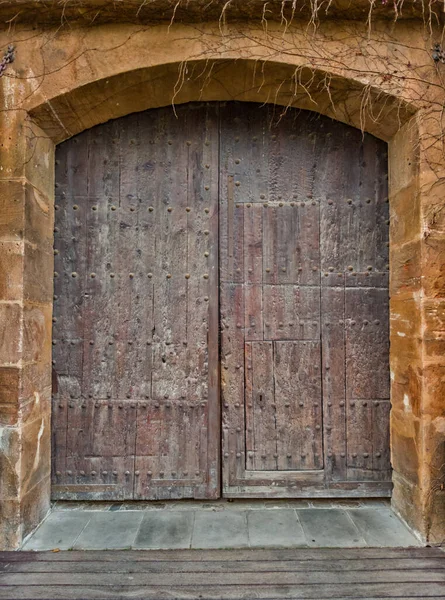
[365, 573]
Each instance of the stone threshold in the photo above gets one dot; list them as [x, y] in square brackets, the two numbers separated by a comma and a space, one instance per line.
[220, 525]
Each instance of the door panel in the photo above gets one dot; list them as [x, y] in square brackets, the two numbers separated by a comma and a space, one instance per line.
[304, 306]
[233, 235]
[299, 405]
[283, 406]
[136, 308]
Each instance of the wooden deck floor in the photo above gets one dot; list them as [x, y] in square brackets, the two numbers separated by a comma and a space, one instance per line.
[224, 574]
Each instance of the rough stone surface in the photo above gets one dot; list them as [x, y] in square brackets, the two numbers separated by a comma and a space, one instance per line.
[380, 78]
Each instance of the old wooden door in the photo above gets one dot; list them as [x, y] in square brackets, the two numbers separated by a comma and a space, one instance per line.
[232, 235]
[304, 306]
[135, 403]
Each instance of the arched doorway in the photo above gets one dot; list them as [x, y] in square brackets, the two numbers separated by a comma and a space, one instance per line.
[230, 252]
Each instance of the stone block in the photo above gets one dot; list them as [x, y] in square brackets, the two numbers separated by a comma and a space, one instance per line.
[36, 379]
[34, 506]
[407, 503]
[37, 406]
[433, 266]
[12, 148]
[35, 453]
[10, 455]
[406, 272]
[434, 327]
[11, 270]
[405, 222]
[406, 353]
[37, 328]
[433, 404]
[406, 388]
[10, 333]
[407, 349]
[9, 385]
[432, 193]
[39, 160]
[405, 316]
[405, 458]
[404, 157]
[10, 524]
[436, 516]
[38, 274]
[39, 219]
[9, 394]
[12, 210]
[9, 414]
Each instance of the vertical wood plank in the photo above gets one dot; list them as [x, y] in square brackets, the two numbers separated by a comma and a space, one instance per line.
[298, 405]
[333, 378]
[263, 412]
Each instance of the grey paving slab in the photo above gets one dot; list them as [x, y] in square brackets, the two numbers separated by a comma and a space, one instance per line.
[165, 530]
[381, 527]
[275, 528]
[59, 530]
[110, 530]
[224, 529]
[330, 528]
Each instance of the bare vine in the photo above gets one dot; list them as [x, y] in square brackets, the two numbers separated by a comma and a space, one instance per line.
[7, 59]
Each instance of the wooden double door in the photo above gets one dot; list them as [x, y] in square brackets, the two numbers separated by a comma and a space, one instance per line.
[221, 307]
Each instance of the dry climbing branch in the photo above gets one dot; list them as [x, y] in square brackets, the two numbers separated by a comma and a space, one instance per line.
[7, 59]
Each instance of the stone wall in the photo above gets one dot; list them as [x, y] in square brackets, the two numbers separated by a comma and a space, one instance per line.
[69, 76]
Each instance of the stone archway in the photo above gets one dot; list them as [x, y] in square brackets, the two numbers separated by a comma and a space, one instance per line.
[73, 99]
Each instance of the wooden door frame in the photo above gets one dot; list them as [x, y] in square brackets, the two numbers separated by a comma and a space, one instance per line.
[51, 119]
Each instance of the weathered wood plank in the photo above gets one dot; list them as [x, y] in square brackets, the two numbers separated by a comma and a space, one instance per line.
[261, 410]
[261, 578]
[319, 592]
[333, 379]
[301, 554]
[230, 566]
